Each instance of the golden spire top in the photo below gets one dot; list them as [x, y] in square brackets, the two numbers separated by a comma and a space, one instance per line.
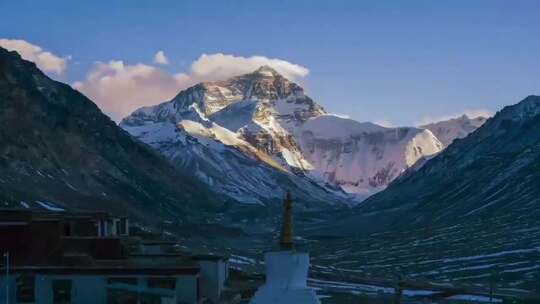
[286, 239]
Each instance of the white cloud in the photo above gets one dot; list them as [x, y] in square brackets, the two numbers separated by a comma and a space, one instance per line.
[384, 123]
[477, 113]
[46, 61]
[471, 113]
[119, 89]
[344, 116]
[160, 58]
[221, 66]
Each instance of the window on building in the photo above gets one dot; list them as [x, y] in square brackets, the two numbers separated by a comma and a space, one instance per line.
[165, 283]
[198, 288]
[25, 289]
[67, 229]
[61, 291]
[104, 231]
[115, 227]
[124, 229]
[115, 296]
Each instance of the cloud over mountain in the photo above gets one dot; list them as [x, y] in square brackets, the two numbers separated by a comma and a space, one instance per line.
[221, 66]
[45, 60]
[119, 88]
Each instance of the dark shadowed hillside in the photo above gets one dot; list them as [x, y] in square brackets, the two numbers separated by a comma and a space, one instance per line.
[469, 215]
[59, 151]
[492, 172]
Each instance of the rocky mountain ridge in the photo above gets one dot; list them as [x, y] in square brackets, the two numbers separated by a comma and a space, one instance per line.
[470, 214]
[449, 130]
[487, 172]
[272, 121]
[58, 151]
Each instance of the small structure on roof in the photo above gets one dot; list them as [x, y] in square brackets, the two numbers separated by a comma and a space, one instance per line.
[286, 269]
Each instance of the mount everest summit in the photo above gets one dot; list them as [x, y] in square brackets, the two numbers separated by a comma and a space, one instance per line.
[253, 136]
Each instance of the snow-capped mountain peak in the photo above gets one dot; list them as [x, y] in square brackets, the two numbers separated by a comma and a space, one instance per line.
[449, 130]
[266, 71]
[270, 118]
[362, 157]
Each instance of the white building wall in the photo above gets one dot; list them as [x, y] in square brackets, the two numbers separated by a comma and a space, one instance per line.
[286, 280]
[84, 289]
[286, 269]
[43, 290]
[213, 278]
[89, 289]
[222, 275]
[209, 280]
[186, 289]
[92, 289]
[12, 289]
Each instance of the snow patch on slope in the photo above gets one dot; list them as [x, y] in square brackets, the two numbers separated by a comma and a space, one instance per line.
[449, 130]
[362, 157]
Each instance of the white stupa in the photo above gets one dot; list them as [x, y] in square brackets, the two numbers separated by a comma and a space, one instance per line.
[286, 270]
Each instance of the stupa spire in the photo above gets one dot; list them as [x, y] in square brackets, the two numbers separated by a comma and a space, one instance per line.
[286, 240]
[286, 269]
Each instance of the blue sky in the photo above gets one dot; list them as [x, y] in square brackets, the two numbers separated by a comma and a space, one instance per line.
[385, 61]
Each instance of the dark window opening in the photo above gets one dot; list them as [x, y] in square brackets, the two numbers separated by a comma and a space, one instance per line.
[198, 289]
[62, 291]
[122, 297]
[102, 227]
[25, 289]
[165, 283]
[124, 226]
[67, 229]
